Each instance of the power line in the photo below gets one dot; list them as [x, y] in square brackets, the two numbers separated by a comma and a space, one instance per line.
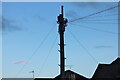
[44, 62]
[82, 46]
[35, 51]
[94, 14]
[95, 29]
[101, 22]
[108, 15]
[100, 19]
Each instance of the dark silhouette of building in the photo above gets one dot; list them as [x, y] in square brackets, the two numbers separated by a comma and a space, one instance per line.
[70, 75]
[108, 71]
[103, 72]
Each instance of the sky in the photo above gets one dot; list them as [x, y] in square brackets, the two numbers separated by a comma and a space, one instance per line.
[60, 0]
[30, 38]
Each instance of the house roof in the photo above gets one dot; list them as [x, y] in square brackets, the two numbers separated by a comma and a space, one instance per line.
[68, 73]
[117, 61]
[108, 70]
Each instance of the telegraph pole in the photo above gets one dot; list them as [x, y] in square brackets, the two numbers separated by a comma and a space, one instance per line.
[62, 24]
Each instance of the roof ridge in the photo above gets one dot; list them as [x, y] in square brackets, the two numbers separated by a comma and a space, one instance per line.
[116, 61]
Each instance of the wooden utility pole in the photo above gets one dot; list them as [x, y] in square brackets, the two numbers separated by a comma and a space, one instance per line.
[62, 23]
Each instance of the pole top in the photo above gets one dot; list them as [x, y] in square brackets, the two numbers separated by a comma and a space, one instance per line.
[62, 10]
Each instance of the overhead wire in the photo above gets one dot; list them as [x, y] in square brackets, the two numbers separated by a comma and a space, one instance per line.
[94, 14]
[83, 26]
[113, 23]
[35, 51]
[99, 16]
[87, 51]
[108, 15]
[50, 51]
[84, 19]
[100, 19]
